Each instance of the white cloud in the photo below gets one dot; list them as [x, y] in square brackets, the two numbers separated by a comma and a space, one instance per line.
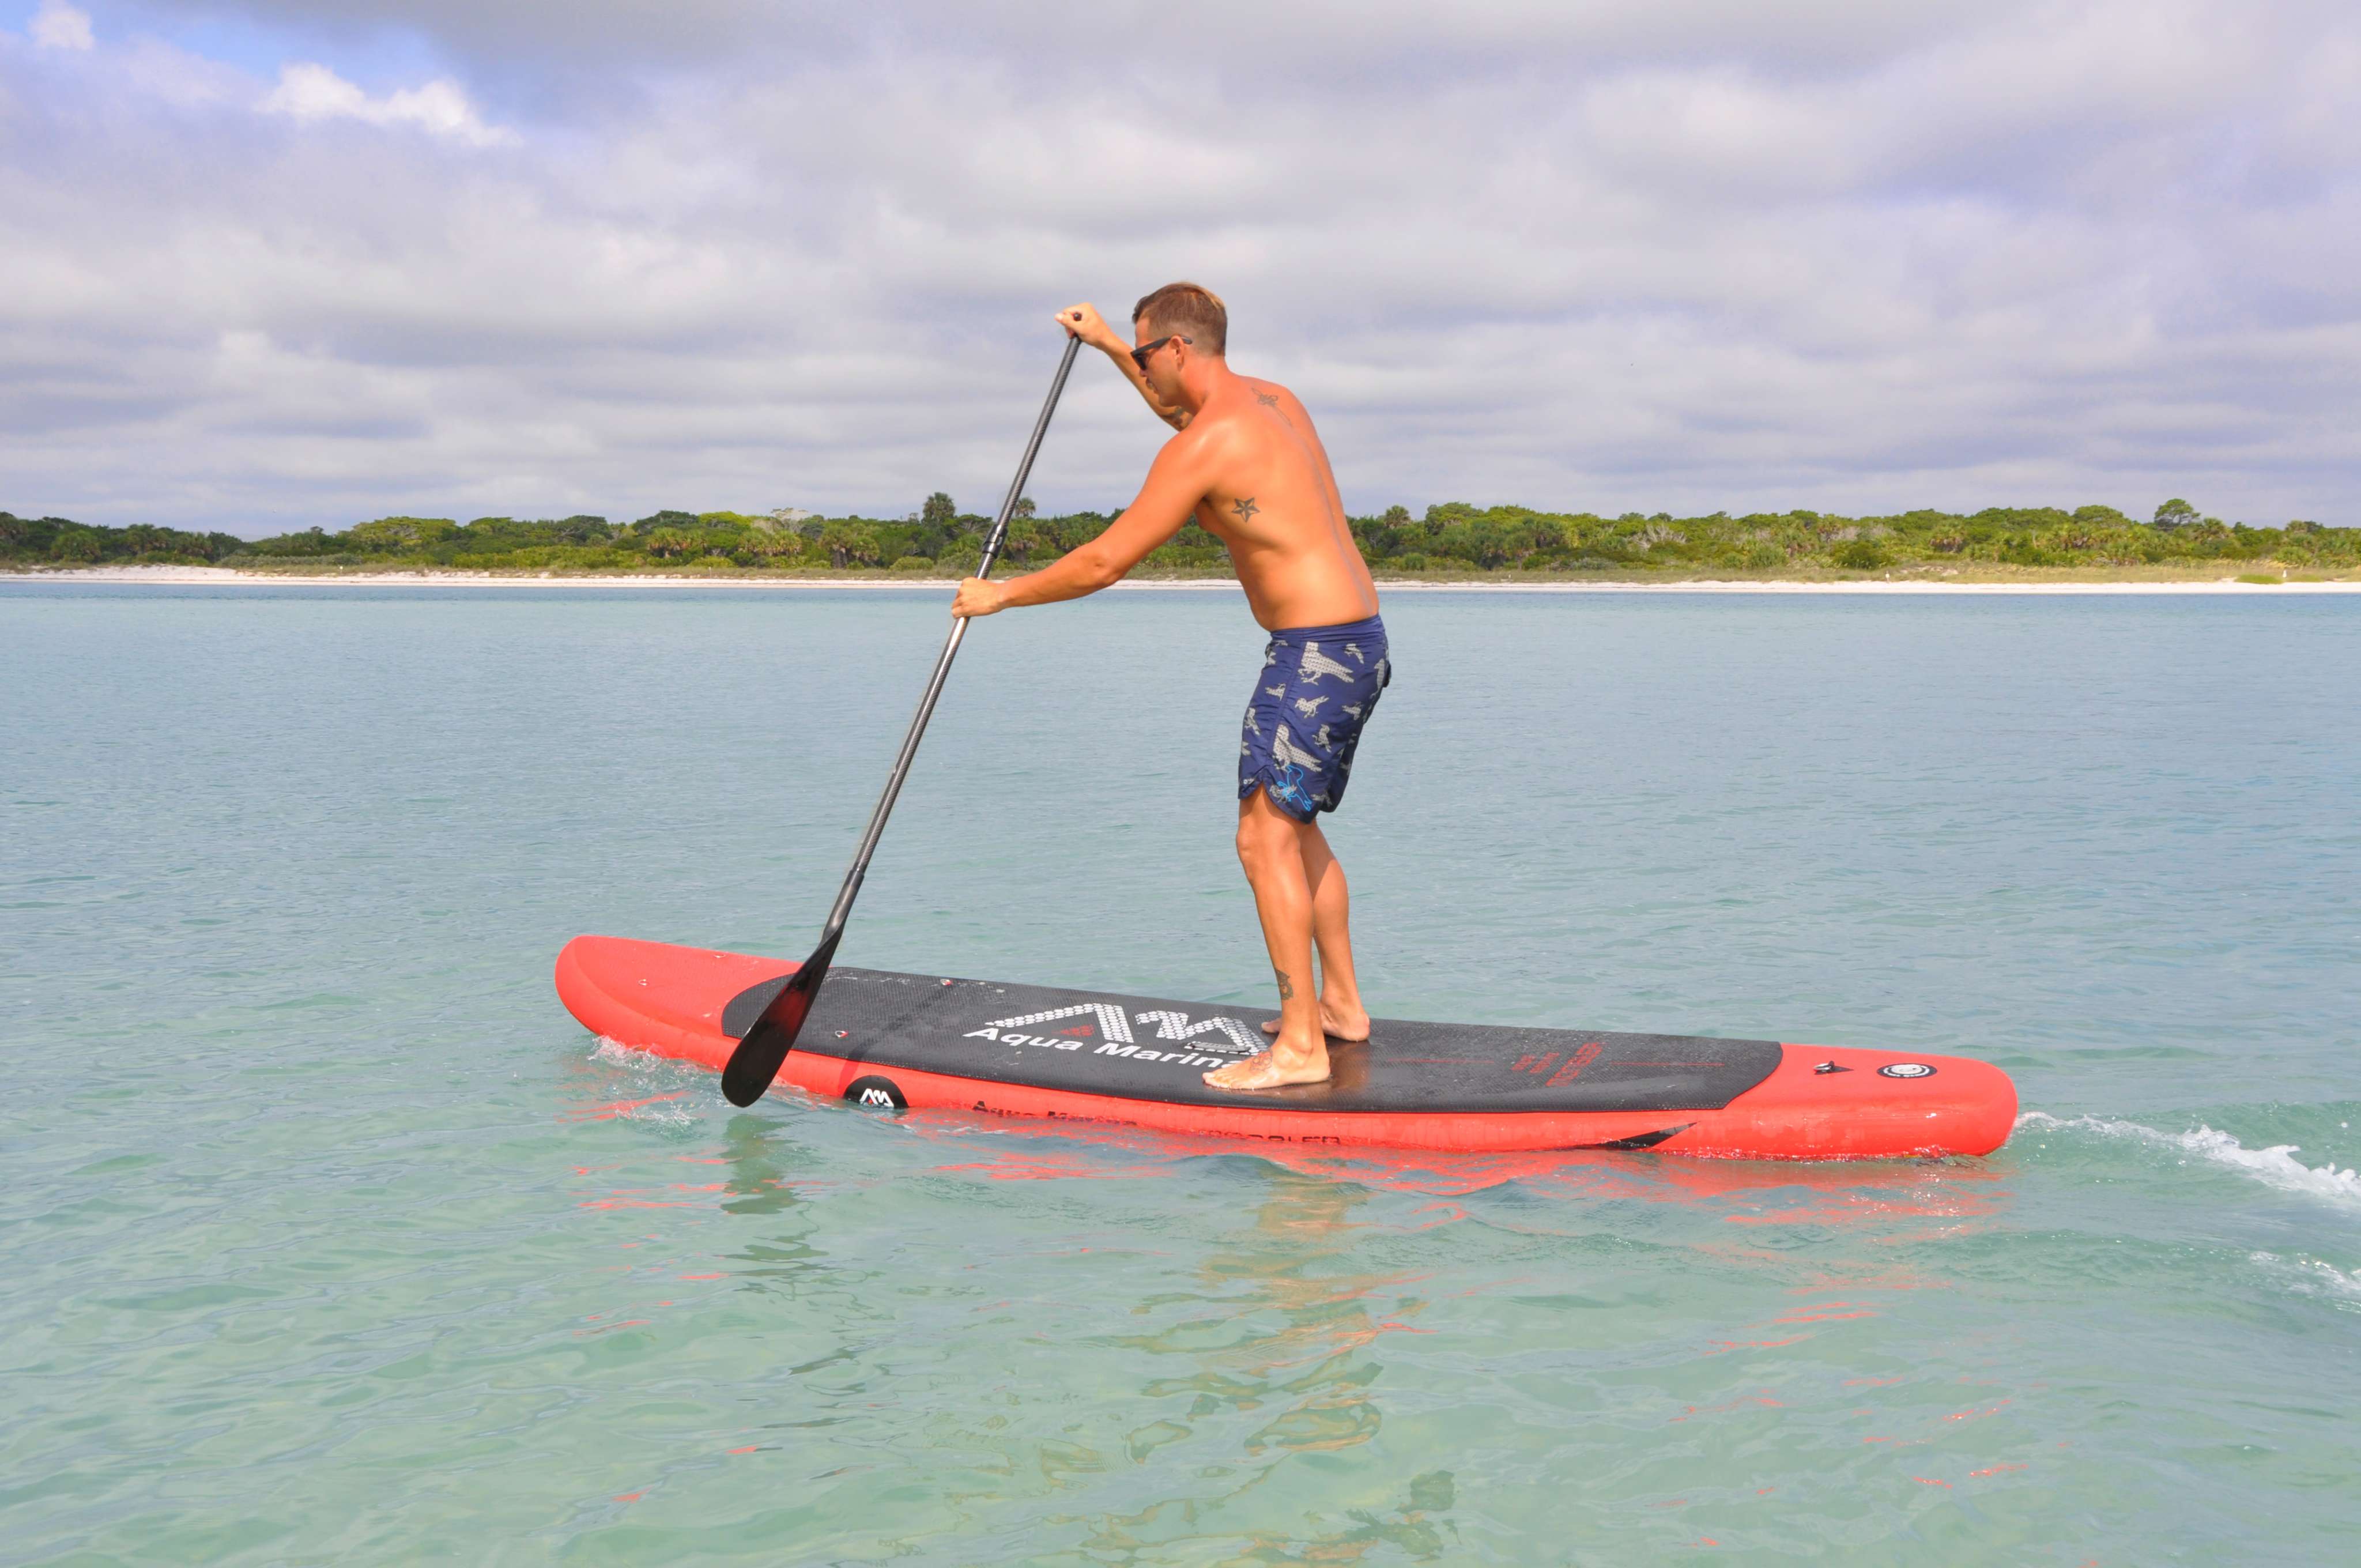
[60, 25]
[309, 92]
[1623, 254]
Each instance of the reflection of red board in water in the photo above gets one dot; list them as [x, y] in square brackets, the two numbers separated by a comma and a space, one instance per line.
[1020, 1050]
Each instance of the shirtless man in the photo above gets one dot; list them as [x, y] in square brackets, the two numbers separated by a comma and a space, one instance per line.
[1248, 465]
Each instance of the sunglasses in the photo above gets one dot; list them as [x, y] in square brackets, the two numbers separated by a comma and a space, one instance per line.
[1139, 356]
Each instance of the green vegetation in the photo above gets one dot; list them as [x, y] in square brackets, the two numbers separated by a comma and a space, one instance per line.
[1450, 541]
[58, 542]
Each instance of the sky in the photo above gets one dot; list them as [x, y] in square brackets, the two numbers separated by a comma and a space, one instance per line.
[269, 265]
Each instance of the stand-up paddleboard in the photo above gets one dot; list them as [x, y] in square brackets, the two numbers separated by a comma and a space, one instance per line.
[926, 1042]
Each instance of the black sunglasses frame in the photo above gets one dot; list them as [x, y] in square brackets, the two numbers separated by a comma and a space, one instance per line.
[1139, 356]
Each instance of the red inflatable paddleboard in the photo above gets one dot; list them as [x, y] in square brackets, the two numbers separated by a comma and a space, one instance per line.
[925, 1042]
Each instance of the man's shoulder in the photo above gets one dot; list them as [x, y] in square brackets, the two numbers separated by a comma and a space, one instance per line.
[1237, 411]
[1218, 422]
[1270, 394]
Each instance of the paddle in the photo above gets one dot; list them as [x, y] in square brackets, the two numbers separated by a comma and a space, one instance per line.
[756, 1060]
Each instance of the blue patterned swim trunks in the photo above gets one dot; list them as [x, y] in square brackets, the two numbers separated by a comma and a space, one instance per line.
[1319, 684]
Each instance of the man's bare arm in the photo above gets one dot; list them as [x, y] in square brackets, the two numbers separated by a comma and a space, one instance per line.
[1085, 322]
[1175, 484]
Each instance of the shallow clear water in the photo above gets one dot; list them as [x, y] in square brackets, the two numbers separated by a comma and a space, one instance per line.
[329, 1236]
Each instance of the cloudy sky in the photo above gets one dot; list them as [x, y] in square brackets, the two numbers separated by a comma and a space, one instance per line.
[273, 263]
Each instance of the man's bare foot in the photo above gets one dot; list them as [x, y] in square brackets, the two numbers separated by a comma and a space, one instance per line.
[1353, 1028]
[1265, 1071]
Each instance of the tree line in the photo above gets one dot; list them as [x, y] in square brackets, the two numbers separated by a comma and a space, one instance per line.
[1453, 538]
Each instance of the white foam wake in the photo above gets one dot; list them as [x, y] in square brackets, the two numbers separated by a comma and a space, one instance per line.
[2274, 1167]
[2309, 1275]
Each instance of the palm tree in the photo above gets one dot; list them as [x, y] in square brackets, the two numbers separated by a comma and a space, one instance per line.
[847, 542]
[1024, 537]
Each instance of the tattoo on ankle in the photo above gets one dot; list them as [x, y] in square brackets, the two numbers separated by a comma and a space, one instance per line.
[1286, 988]
[1245, 509]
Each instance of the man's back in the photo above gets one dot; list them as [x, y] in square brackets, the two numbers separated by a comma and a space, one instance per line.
[1272, 498]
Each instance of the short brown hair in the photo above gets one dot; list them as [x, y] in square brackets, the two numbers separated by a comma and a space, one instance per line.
[1191, 310]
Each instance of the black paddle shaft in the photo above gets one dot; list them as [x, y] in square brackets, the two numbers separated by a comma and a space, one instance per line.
[757, 1059]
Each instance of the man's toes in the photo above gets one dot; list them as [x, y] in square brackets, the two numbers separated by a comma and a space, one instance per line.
[1263, 1071]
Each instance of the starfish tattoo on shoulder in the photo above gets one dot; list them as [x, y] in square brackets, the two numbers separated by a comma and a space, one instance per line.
[1245, 509]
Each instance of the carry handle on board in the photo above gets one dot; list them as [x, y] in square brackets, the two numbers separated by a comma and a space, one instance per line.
[756, 1060]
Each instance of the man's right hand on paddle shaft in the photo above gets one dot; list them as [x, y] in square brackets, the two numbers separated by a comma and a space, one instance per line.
[979, 597]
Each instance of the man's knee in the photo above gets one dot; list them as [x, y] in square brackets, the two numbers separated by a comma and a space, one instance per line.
[1266, 834]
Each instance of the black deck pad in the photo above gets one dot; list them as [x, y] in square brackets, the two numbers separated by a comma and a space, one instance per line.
[1089, 1042]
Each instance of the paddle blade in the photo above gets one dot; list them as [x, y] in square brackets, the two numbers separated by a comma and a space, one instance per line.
[765, 1048]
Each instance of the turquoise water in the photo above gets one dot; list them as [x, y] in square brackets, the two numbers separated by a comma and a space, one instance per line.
[330, 1238]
